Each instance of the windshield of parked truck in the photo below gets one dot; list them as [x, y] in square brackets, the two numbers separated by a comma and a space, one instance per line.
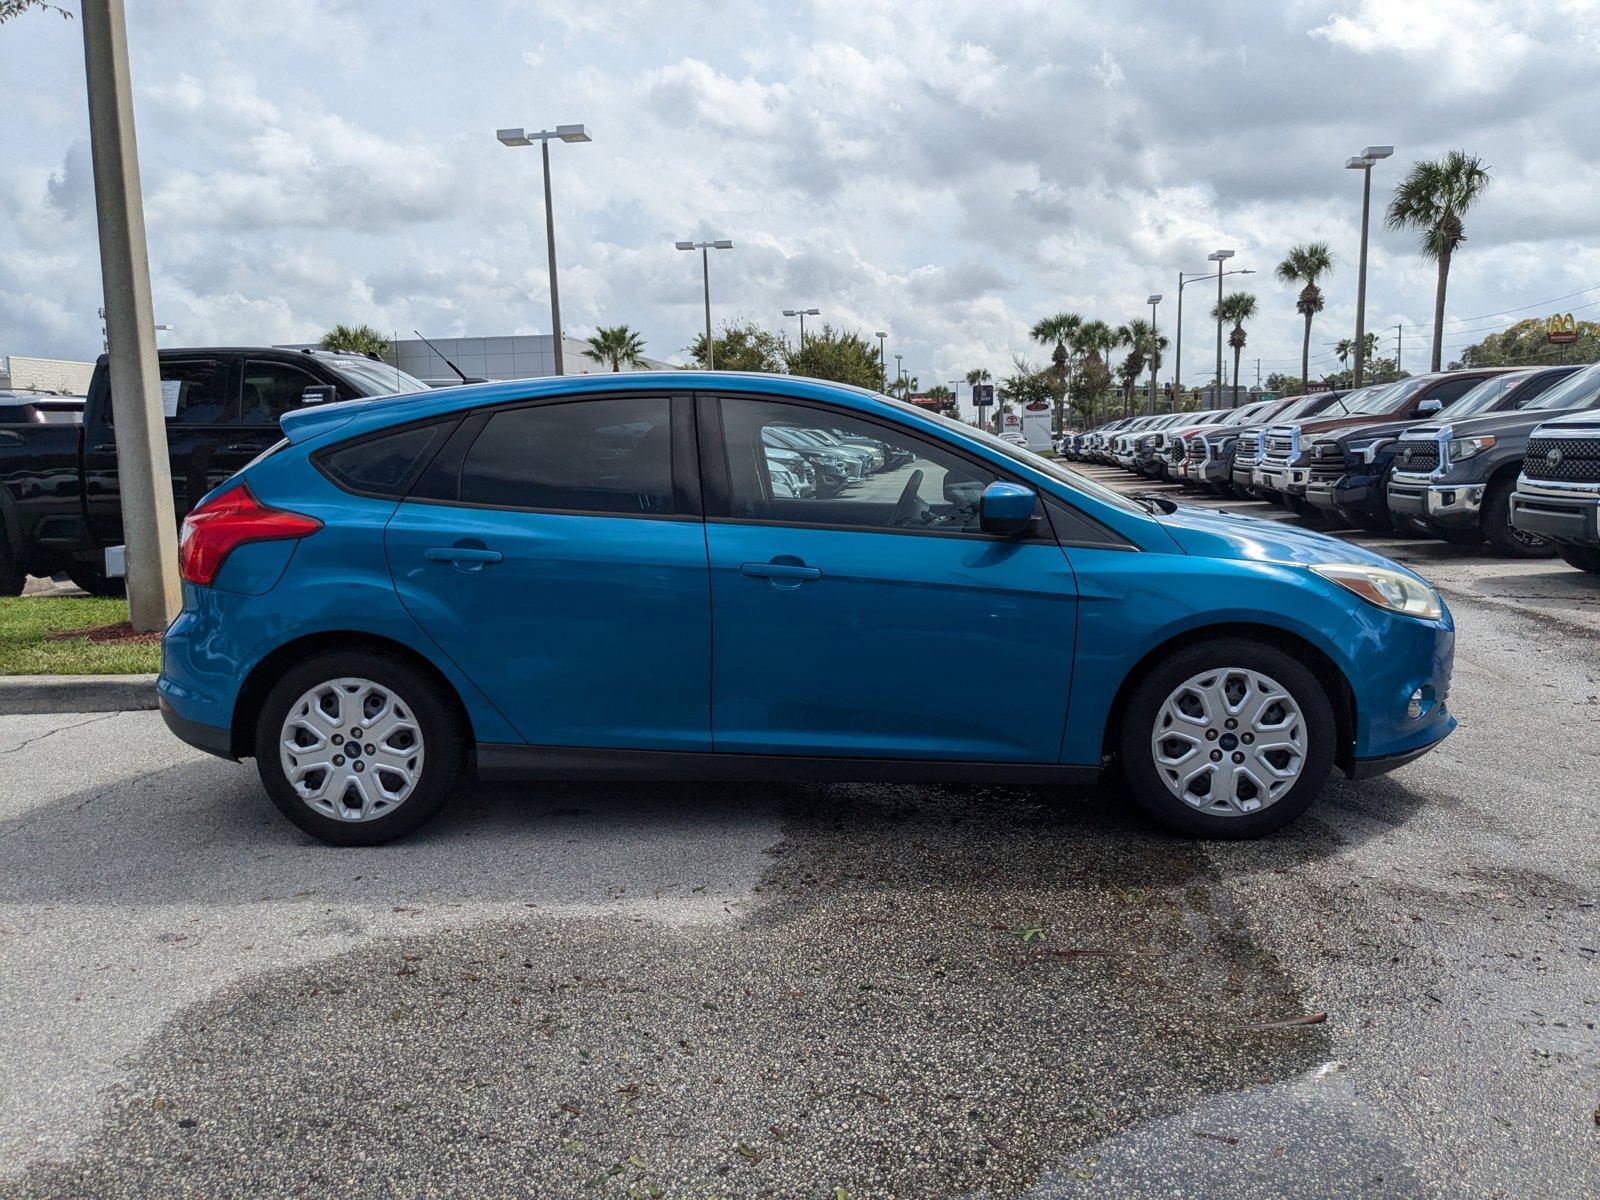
[1487, 394]
[1384, 400]
[375, 378]
[1575, 391]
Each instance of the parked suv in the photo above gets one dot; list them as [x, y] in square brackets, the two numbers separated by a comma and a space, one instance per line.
[594, 576]
[1457, 477]
[1558, 492]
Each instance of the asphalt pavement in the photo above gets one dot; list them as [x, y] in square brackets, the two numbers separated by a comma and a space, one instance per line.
[824, 991]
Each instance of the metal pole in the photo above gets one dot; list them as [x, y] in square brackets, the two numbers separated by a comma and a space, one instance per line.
[1154, 342]
[1217, 395]
[1177, 358]
[705, 273]
[144, 475]
[1361, 277]
[1398, 346]
[883, 365]
[550, 240]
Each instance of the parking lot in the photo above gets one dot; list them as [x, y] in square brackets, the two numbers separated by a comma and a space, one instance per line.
[830, 991]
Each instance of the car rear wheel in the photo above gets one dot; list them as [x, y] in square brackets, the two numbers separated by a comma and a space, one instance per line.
[12, 577]
[1585, 558]
[1504, 537]
[358, 747]
[1230, 738]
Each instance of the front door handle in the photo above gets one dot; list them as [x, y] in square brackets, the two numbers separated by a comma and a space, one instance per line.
[776, 570]
[469, 557]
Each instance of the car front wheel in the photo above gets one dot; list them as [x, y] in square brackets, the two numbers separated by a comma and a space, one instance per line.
[358, 747]
[1230, 738]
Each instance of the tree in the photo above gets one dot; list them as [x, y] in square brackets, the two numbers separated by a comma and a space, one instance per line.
[1524, 344]
[1285, 385]
[1237, 307]
[363, 339]
[1025, 385]
[1305, 264]
[1144, 344]
[974, 377]
[15, 8]
[1058, 331]
[1431, 199]
[944, 399]
[617, 345]
[838, 355]
[744, 346]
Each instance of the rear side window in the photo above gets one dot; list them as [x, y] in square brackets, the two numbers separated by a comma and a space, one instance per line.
[593, 456]
[386, 464]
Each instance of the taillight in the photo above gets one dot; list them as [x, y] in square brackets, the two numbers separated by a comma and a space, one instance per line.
[212, 531]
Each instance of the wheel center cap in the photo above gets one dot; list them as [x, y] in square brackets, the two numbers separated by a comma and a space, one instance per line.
[1228, 741]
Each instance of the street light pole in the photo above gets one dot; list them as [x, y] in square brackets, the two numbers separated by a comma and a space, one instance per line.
[802, 313]
[522, 137]
[1155, 299]
[705, 271]
[144, 473]
[883, 364]
[1363, 162]
[1185, 278]
[1219, 257]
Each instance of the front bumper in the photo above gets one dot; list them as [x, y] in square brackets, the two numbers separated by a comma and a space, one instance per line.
[1271, 477]
[1445, 504]
[1349, 493]
[1392, 659]
[1568, 515]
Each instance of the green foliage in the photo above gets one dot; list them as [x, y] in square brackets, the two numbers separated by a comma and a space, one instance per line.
[1284, 385]
[1376, 370]
[743, 346]
[363, 339]
[838, 355]
[1305, 264]
[1432, 198]
[15, 8]
[617, 345]
[1524, 344]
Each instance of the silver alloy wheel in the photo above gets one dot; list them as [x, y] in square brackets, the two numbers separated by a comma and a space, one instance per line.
[1229, 741]
[351, 749]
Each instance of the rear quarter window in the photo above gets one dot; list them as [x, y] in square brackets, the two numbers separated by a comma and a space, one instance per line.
[384, 464]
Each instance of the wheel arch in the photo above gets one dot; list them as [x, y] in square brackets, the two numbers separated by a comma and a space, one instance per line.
[253, 691]
[1332, 677]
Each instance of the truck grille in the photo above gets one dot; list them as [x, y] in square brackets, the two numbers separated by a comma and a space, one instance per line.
[1332, 463]
[1419, 456]
[1569, 460]
[1248, 451]
[1279, 446]
[1197, 450]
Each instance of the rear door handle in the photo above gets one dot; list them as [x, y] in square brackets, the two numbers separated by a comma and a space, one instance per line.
[767, 570]
[461, 554]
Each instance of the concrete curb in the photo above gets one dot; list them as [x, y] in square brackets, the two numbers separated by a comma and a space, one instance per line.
[33, 694]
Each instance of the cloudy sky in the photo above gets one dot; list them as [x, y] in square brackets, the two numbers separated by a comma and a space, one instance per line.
[947, 170]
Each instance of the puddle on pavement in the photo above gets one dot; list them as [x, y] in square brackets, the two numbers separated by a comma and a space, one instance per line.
[940, 991]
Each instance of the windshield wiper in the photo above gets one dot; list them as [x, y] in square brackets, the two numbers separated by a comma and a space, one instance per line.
[1155, 502]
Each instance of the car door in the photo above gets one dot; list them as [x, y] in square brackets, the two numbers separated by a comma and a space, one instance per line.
[555, 551]
[878, 622]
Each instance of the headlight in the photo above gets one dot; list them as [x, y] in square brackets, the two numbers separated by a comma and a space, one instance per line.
[1461, 449]
[1393, 590]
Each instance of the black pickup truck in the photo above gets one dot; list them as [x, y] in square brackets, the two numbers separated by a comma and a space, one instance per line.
[60, 507]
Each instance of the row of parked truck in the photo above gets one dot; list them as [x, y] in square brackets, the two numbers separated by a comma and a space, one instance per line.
[1496, 456]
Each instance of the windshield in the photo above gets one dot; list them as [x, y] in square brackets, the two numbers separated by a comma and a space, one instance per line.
[1383, 400]
[1486, 395]
[375, 378]
[1037, 462]
[1300, 407]
[1575, 391]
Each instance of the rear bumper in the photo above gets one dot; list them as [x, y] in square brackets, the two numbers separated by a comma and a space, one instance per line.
[210, 738]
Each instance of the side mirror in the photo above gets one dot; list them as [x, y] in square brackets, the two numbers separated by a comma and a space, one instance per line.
[1427, 407]
[319, 393]
[1006, 508]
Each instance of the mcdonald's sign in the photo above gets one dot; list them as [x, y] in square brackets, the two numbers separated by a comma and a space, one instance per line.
[1560, 329]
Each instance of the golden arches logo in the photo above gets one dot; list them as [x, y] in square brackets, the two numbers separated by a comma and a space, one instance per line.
[1560, 327]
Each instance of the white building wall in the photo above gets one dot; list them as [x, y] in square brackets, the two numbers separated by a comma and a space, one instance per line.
[23, 374]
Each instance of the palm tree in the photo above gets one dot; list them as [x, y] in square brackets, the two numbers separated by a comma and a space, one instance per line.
[1237, 307]
[1431, 199]
[363, 339]
[617, 345]
[1305, 264]
[1143, 343]
[1094, 341]
[1343, 349]
[974, 377]
[1058, 330]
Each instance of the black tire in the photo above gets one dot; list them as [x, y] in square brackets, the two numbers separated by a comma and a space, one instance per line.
[96, 582]
[1405, 525]
[1503, 537]
[12, 577]
[1226, 490]
[1144, 705]
[443, 738]
[1585, 558]
[1305, 510]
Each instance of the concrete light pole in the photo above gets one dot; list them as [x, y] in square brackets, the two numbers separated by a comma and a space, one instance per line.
[1219, 257]
[1155, 342]
[883, 363]
[144, 475]
[705, 272]
[1363, 162]
[521, 137]
[802, 313]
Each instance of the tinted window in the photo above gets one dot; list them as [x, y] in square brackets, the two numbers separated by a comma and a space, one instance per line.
[1450, 389]
[196, 393]
[272, 389]
[603, 456]
[1575, 391]
[385, 464]
[813, 466]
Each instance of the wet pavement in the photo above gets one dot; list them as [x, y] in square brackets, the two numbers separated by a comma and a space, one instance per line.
[823, 991]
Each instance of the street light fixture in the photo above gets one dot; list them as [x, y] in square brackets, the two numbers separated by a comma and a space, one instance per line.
[705, 273]
[523, 137]
[1363, 162]
[883, 363]
[1219, 257]
[1155, 299]
[1185, 278]
[802, 313]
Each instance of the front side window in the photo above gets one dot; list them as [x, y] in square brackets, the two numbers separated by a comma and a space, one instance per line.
[611, 455]
[1581, 390]
[814, 466]
[272, 389]
[196, 393]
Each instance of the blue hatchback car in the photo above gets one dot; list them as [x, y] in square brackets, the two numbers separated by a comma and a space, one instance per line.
[727, 576]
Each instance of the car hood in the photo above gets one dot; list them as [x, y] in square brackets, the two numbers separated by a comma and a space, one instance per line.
[1208, 533]
[1501, 424]
[1371, 430]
